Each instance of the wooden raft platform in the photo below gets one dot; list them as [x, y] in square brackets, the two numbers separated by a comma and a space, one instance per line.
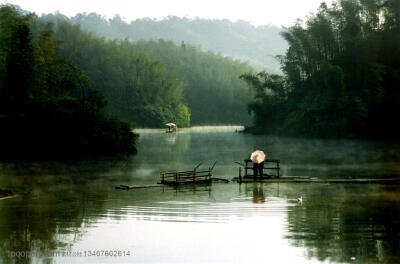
[270, 169]
[186, 177]
[305, 179]
[189, 177]
[175, 178]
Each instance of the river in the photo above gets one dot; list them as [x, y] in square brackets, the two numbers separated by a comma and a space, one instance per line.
[70, 211]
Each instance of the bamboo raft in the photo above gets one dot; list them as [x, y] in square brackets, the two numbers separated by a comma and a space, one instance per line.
[305, 179]
[189, 177]
[271, 174]
[175, 178]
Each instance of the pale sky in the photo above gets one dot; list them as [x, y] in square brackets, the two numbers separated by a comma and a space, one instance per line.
[259, 12]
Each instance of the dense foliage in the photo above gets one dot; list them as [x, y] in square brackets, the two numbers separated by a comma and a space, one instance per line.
[239, 39]
[47, 106]
[150, 82]
[342, 74]
[138, 87]
[213, 92]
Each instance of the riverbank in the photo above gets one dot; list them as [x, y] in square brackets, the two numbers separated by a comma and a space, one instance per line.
[63, 131]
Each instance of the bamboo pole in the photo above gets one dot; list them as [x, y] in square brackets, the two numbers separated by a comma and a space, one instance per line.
[278, 169]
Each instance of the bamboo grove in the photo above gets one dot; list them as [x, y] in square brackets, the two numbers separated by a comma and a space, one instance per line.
[341, 75]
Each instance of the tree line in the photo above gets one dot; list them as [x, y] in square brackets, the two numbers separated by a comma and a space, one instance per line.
[138, 87]
[341, 75]
[47, 105]
[150, 82]
[240, 39]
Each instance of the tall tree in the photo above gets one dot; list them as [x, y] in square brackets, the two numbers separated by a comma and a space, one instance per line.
[342, 67]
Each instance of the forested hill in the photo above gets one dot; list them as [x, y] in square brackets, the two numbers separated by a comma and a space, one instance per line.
[240, 40]
[47, 106]
[151, 82]
[341, 75]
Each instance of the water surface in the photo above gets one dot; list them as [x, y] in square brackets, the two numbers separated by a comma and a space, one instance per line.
[71, 207]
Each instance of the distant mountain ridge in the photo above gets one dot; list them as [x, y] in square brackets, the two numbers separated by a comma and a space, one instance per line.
[242, 40]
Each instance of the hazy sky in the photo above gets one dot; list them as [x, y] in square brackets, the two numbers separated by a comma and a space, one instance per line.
[259, 12]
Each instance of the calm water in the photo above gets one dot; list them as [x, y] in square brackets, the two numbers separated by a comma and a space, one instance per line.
[72, 207]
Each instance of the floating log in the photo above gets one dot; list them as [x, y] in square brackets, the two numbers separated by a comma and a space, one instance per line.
[219, 180]
[126, 187]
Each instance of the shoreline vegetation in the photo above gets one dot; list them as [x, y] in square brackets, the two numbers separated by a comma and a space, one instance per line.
[341, 75]
[47, 106]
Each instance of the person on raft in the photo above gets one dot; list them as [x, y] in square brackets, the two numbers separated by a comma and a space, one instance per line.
[258, 158]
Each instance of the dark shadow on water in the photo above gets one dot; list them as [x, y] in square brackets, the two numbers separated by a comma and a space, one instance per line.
[55, 202]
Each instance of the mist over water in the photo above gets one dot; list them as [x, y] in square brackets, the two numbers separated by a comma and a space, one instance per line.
[73, 206]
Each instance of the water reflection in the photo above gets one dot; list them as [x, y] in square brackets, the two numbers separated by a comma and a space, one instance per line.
[341, 222]
[53, 205]
[258, 193]
[73, 205]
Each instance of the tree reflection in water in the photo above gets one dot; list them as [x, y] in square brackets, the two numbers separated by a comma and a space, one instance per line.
[342, 222]
[56, 201]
